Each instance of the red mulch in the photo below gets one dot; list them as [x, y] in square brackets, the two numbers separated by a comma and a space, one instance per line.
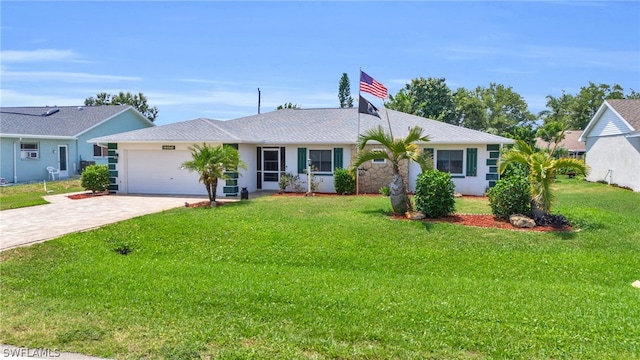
[477, 220]
[87, 195]
[488, 221]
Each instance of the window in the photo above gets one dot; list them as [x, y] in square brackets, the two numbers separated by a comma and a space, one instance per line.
[450, 161]
[100, 151]
[378, 161]
[320, 160]
[29, 151]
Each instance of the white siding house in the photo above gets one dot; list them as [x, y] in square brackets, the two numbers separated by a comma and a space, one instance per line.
[278, 142]
[613, 143]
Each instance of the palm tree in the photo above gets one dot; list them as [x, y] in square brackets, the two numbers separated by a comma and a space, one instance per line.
[395, 151]
[542, 170]
[212, 163]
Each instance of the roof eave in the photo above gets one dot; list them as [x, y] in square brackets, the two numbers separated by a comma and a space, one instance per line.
[32, 136]
[135, 111]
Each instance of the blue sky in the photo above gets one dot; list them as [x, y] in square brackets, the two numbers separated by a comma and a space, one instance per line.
[208, 58]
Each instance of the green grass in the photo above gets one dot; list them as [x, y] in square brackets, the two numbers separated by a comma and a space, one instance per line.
[334, 277]
[23, 195]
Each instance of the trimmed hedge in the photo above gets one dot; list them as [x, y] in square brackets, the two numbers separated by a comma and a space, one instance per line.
[434, 195]
[95, 178]
[510, 196]
[344, 182]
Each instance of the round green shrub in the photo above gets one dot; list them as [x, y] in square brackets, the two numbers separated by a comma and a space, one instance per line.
[510, 196]
[434, 195]
[344, 181]
[95, 178]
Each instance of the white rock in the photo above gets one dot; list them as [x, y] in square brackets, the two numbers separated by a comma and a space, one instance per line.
[636, 284]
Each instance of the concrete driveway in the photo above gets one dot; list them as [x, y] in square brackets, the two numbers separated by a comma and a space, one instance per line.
[26, 226]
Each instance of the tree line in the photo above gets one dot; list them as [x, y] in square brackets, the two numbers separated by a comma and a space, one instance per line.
[499, 110]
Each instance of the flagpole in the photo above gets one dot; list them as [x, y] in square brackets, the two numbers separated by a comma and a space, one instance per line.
[358, 134]
[388, 120]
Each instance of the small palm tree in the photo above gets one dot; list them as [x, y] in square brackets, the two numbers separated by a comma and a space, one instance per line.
[395, 151]
[542, 170]
[212, 162]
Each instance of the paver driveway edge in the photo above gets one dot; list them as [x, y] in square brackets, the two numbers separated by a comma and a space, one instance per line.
[30, 225]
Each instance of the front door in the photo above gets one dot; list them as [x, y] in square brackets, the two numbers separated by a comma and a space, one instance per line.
[63, 160]
[270, 168]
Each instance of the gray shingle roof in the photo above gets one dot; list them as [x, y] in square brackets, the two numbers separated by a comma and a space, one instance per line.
[629, 109]
[302, 126]
[68, 121]
[197, 130]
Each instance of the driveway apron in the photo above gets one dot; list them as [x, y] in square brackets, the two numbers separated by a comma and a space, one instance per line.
[25, 226]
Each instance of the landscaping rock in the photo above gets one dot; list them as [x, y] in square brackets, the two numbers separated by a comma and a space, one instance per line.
[636, 284]
[414, 215]
[521, 221]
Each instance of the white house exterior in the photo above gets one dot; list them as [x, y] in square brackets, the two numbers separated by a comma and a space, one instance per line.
[613, 143]
[148, 161]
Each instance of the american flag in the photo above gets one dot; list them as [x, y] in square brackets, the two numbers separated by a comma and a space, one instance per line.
[370, 85]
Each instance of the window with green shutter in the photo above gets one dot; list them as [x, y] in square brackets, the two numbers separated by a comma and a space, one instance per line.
[337, 158]
[472, 161]
[302, 160]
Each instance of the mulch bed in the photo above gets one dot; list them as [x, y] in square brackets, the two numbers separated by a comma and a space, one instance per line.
[87, 195]
[476, 220]
[488, 221]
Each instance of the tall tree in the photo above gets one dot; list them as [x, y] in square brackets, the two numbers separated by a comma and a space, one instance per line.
[589, 100]
[558, 109]
[496, 109]
[575, 111]
[471, 110]
[430, 98]
[138, 101]
[344, 92]
[212, 163]
[395, 151]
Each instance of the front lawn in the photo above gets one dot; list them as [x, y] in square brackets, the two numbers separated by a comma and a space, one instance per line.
[334, 277]
[23, 195]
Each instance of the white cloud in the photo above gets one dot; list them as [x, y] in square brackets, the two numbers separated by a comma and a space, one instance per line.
[61, 76]
[14, 98]
[40, 55]
[555, 56]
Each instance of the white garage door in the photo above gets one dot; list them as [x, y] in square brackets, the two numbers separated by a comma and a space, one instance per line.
[159, 172]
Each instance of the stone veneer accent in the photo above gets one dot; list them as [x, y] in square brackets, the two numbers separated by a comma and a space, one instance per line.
[375, 176]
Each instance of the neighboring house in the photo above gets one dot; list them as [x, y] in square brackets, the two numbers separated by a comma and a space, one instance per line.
[571, 143]
[33, 138]
[613, 143]
[149, 160]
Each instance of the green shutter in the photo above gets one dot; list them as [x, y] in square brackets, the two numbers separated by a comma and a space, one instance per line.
[302, 160]
[472, 161]
[337, 158]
